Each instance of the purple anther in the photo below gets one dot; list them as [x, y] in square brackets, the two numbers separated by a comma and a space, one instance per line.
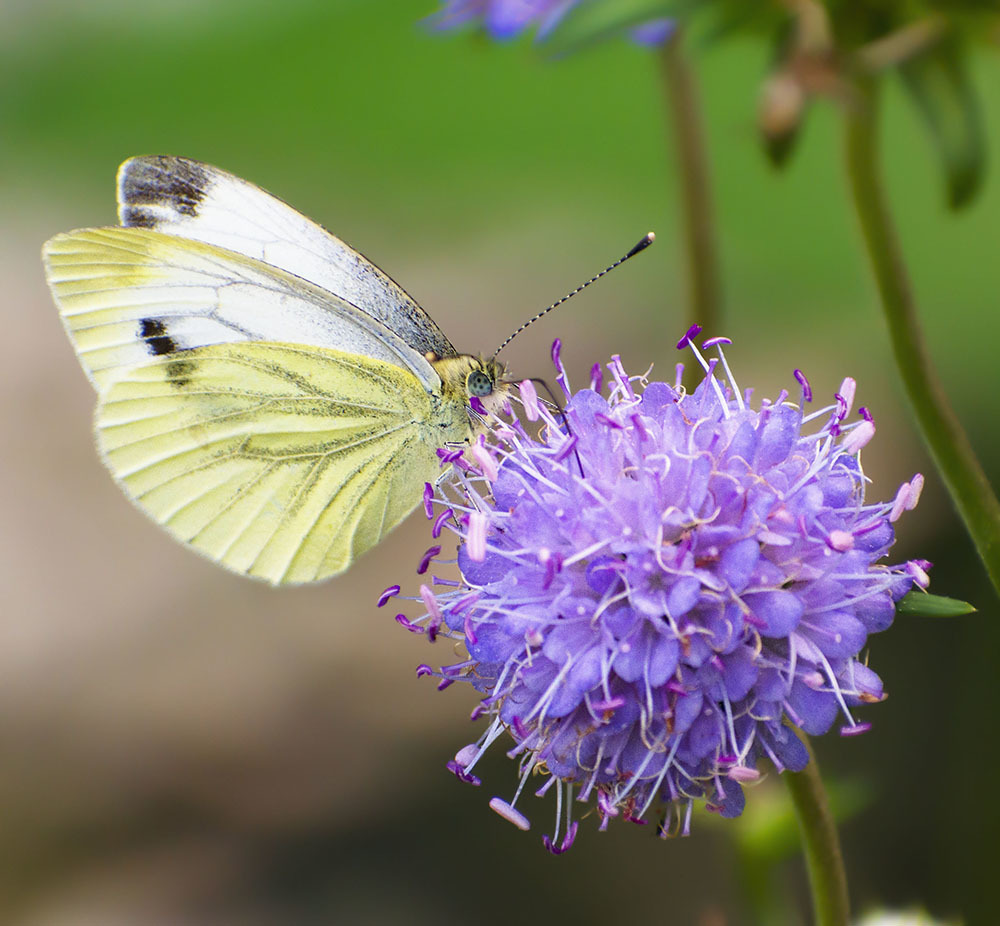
[478, 712]
[566, 843]
[807, 393]
[461, 774]
[742, 773]
[476, 404]
[841, 541]
[855, 729]
[449, 456]
[607, 809]
[814, 680]
[711, 342]
[425, 562]
[728, 758]
[485, 459]
[500, 806]
[717, 663]
[450, 583]
[556, 351]
[529, 399]
[754, 621]
[467, 602]
[899, 502]
[858, 437]
[424, 669]
[470, 633]
[403, 621]
[617, 370]
[692, 332]
[596, 377]
[610, 422]
[391, 592]
[608, 704]
[847, 390]
[445, 683]
[915, 568]
[476, 538]
[566, 449]
[431, 603]
[864, 413]
[520, 730]
[639, 427]
[428, 500]
[841, 412]
[553, 566]
[439, 522]
[675, 687]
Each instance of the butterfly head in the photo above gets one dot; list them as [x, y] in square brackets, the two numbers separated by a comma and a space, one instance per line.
[466, 377]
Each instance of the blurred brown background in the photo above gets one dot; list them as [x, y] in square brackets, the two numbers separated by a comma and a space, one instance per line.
[179, 745]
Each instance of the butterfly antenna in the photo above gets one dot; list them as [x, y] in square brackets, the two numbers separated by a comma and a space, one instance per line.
[646, 241]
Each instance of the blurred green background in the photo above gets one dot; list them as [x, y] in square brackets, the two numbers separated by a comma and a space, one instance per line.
[179, 745]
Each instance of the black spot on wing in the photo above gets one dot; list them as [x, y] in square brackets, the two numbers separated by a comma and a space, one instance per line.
[154, 333]
[137, 217]
[176, 182]
[179, 372]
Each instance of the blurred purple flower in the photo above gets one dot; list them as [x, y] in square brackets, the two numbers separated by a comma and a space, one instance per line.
[654, 32]
[653, 586]
[505, 19]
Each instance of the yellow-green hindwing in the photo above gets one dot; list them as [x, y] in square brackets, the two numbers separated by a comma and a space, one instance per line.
[276, 460]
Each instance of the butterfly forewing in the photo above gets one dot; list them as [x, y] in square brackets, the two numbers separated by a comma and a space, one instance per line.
[129, 294]
[274, 460]
[182, 197]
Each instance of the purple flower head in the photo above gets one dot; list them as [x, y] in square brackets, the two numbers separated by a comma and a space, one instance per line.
[657, 584]
[505, 19]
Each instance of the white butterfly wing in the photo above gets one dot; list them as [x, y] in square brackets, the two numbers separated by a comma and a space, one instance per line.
[129, 295]
[178, 196]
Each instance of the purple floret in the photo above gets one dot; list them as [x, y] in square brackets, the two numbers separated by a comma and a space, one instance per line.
[657, 583]
[505, 19]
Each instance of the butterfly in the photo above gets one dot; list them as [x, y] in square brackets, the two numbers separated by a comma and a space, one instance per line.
[264, 392]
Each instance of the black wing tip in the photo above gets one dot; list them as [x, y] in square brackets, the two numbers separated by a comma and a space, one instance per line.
[180, 184]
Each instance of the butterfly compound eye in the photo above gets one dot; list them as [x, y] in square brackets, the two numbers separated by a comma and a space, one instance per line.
[479, 383]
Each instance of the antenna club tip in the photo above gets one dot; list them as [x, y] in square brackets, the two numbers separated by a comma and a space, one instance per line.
[644, 243]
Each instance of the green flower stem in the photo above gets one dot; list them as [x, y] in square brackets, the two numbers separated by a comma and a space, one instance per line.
[820, 844]
[944, 435]
[696, 202]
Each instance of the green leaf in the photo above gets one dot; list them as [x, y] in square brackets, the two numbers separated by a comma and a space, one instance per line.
[920, 604]
[589, 23]
[939, 84]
